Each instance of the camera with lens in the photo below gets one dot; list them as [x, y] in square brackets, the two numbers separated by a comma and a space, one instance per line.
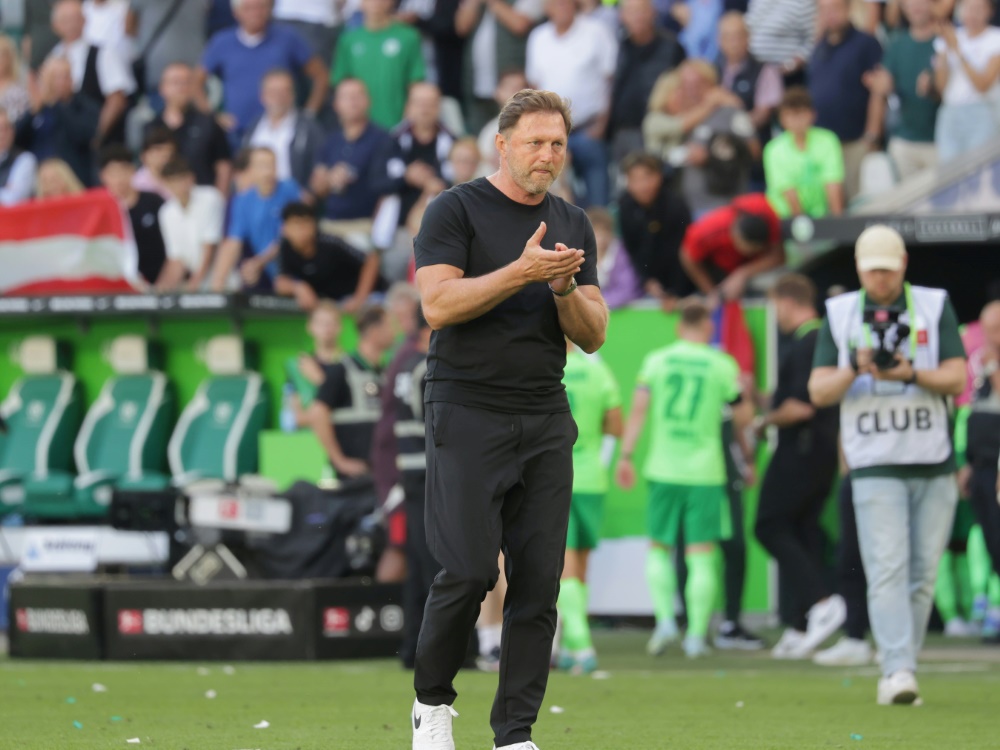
[887, 334]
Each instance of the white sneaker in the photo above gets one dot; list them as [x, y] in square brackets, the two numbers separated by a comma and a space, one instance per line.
[900, 688]
[518, 746]
[847, 652]
[959, 628]
[664, 634]
[695, 647]
[432, 727]
[825, 619]
[788, 644]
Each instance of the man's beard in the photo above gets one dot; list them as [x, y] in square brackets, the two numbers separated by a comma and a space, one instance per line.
[529, 181]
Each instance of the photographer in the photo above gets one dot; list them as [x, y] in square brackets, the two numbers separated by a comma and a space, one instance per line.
[891, 354]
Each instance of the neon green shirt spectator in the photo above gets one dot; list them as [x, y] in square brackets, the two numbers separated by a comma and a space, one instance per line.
[808, 172]
[592, 392]
[690, 385]
[387, 61]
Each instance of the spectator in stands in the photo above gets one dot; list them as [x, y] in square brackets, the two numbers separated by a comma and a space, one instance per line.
[38, 38]
[782, 33]
[220, 16]
[312, 267]
[495, 33]
[242, 177]
[619, 282]
[804, 165]
[699, 22]
[727, 247]
[251, 244]
[61, 124]
[758, 85]
[316, 21]
[837, 74]
[464, 160]
[436, 21]
[191, 222]
[294, 137]
[353, 383]
[718, 136]
[967, 67]
[56, 179]
[242, 56]
[158, 147]
[13, 96]
[100, 73]
[386, 55]
[510, 83]
[908, 73]
[199, 138]
[653, 221]
[415, 172]
[352, 173]
[17, 167]
[575, 55]
[401, 302]
[166, 34]
[306, 372]
[104, 25]
[646, 51]
[117, 171]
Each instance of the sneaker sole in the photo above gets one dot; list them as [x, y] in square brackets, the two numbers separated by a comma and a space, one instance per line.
[812, 641]
[842, 662]
[905, 698]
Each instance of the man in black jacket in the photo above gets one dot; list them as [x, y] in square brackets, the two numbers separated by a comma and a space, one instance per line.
[645, 53]
[653, 221]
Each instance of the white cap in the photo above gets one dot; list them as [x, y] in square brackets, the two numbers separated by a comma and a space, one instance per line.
[880, 248]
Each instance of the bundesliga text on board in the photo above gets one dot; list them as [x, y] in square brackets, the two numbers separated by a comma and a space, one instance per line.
[233, 621]
[49, 621]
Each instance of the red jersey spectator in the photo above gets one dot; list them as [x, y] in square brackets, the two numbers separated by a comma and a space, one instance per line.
[727, 247]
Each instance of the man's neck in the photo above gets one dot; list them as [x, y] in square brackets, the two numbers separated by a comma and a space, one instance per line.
[503, 182]
[836, 36]
[69, 42]
[736, 62]
[889, 298]
[353, 130]
[800, 318]
[800, 140]
[563, 28]
[923, 33]
[276, 118]
[692, 337]
[371, 353]
[308, 250]
[327, 353]
[184, 199]
[424, 133]
[174, 113]
[267, 190]
[377, 24]
[643, 38]
[130, 198]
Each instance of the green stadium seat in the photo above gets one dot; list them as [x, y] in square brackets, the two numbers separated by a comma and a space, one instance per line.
[217, 433]
[43, 411]
[123, 439]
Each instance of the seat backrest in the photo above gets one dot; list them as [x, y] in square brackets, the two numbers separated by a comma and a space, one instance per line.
[216, 435]
[43, 414]
[125, 431]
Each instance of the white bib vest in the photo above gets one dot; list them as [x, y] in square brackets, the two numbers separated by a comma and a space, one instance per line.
[889, 423]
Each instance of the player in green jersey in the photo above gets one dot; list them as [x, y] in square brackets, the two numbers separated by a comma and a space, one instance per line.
[685, 388]
[596, 403]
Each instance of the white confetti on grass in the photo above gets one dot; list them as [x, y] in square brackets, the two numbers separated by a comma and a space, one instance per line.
[98, 688]
[557, 710]
[601, 675]
[264, 724]
[134, 741]
[203, 671]
[210, 694]
[228, 670]
[739, 704]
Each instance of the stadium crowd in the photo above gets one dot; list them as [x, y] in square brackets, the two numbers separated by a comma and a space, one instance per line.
[364, 111]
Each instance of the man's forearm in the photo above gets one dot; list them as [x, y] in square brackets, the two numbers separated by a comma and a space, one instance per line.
[454, 301]
[367, 277]
[111, 111]
[947, 379]
[583, 317]
[773, 258]
[828, 385]
[791, 412]
[697, 273]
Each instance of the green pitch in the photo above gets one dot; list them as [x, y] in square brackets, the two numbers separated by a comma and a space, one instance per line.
[726, 702]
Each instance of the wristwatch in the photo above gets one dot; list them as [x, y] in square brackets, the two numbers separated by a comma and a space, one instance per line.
[569, 290]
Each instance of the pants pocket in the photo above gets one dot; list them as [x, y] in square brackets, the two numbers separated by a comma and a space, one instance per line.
[440, 413]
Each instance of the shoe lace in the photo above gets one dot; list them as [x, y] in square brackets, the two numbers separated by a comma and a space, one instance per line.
[439, 722]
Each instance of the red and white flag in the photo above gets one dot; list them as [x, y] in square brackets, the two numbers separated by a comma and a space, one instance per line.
[76, 244]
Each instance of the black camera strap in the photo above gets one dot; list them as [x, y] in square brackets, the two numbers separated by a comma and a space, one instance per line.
[866, 329]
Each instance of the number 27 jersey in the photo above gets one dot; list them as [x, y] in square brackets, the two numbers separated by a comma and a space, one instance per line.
[690, 385]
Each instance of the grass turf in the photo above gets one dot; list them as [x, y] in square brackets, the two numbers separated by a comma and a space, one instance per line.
[728, 701]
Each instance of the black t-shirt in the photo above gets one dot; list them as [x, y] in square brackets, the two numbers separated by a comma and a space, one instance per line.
[794, 369]
[145, 218]
[352, 392]
[511, 358]
[332, 272]
[653, 235]
[201, 140]
[982, 449]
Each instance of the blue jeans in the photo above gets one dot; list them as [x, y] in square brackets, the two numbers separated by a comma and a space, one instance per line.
[903, 527]
[590, 163]
[963, 127]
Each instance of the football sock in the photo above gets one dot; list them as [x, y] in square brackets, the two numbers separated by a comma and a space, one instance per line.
[700, 592]
[572, 606]
[662, 580]
[944, 590]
